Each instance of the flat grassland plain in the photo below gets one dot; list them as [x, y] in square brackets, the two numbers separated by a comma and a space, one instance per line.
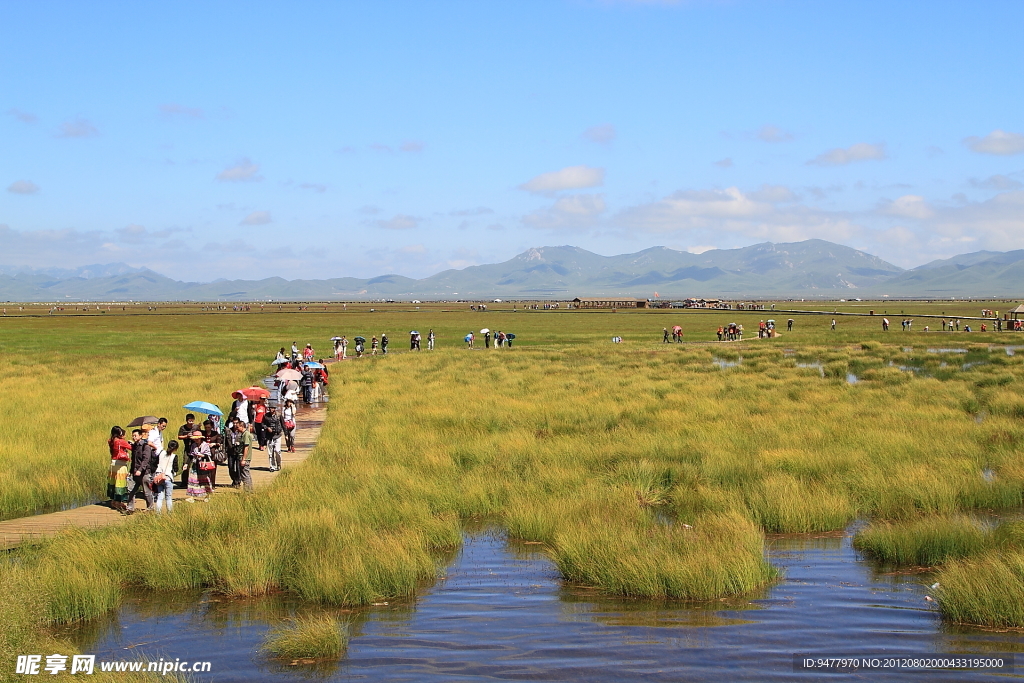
[645, 469]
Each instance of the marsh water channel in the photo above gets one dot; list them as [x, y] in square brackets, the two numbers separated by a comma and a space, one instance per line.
[500, 612]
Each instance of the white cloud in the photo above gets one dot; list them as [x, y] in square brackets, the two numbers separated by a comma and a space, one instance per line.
[569, 178]
[244, 171]
[23, 187]
[575, 212]
[770, 133]
[700, 248]
[179, 111]
[79, 128]
[603, 134]
[23, 116]
[711, 214]
[997, 142]
[907, 206]
[861, 151]
[996, 182]
[397, 222]
[257, 218]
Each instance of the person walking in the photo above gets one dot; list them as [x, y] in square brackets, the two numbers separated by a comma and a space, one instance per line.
[163, 480]
[337, 349]
[244, 446]
[259, 412]
[184, 438]
[211, 430]
[885, 324]
[308, 353]
[373, 346]
[487, 339]
[295, 351]
[833, 323]
[200, 486]
[288, 424]
[789, 325]
[344, 347]
[144, 463]
[281, 358]
[384, 343]
[120, 460]
[273, 430]
[156, 436]
[430, 340]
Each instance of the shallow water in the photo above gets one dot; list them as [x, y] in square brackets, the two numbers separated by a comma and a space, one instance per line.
[502, 613]
[723, 363]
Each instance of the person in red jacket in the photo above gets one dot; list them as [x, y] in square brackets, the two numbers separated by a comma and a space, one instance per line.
[117, 480]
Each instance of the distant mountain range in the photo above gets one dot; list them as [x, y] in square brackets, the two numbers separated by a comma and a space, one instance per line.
[809, 269]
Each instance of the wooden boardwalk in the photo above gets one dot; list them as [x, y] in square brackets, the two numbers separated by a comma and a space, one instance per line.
[308, 424]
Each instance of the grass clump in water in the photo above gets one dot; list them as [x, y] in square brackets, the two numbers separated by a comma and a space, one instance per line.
[923, 542]
[310, 637]
[984, 590]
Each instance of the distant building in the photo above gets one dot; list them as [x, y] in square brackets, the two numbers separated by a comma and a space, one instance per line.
[600, 302]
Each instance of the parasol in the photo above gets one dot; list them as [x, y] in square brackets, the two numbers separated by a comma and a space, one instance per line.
[251, 392]
[203, 407]
[143, 420]
[288, 373]
[485, 330]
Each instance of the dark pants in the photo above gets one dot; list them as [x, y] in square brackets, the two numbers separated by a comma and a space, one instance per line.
[145, 483]
[186, 466]
[234, 469]
[261, 434]
[289, 438]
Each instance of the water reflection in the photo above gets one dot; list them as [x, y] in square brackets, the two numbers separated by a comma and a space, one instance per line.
[501, 612]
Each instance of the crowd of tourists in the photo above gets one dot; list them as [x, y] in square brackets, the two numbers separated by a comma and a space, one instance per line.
[147, 464]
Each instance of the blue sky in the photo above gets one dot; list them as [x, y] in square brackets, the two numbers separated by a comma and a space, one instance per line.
[317, 140]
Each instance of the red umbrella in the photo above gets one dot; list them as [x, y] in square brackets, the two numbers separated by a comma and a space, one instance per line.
[251, 393]
[288, 374]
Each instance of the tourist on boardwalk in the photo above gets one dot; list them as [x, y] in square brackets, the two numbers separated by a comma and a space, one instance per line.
[120, 459]
[430, 340]
[163, 480]
[295, 351]
[384, 343]
[156, 436]
[885, 324]
[272, 430]
[344, 347]
[211, 430]
[259, 410]
[200, 486]
[243, 445]
[789, 325]
[241, 408]
[664, 335]
[281, 358]
[185, 438]
[677, 334]
[360, 341]
[288, 424]
[337, 349]
[144, 461]
[487, 340]
[373, 346]
[720, 332]
[833, 323]
[307, 385]
[308, 353]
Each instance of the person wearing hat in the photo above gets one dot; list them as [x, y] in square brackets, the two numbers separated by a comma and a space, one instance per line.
[200, 485]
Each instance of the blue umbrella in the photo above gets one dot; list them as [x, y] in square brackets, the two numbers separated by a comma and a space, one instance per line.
[311, 364]
[203, 407]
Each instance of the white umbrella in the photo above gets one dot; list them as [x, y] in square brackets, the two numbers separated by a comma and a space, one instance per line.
[484, 331]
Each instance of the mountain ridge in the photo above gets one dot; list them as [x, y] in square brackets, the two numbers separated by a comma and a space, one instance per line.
[812, 268]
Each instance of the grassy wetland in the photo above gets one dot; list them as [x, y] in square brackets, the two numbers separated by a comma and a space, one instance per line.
[643, 469]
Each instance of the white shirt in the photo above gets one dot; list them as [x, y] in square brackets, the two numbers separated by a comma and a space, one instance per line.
[242, 410]
[156, 439]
